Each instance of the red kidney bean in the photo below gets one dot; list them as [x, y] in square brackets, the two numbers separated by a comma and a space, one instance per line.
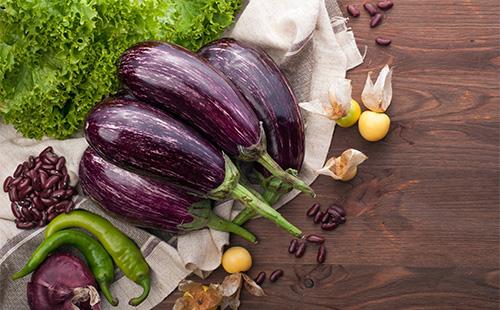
[15, 210]
[385, 5]
[7, 183]
[51, 181]
[51, 209]
[26, 214]
[19, 170]
[301, 249]
[25, 191]
[46, 161]
[69, 192]
[329, 226]
[64, 170]
[60, 163]
[47, 201]
[43, 176]
[55, 172]
[13, 194]
[260, 278]
[48, 149]
[25, 225]
[376, 20]
[318, 217]
[370, 8]
[293, 246]
[275, 275]
[353, 10]
[61, 206]
[52, 158]
[16, 181]
[37, 202]
[44, 218]
[31, 162]
[48, 167]
[37, 184]
[313, 210]
[23, 203]
[58, 193]
[321, 257]
[383, 41]
[51, 216]
[314, 238]
[31, 174]
[325, 218]
[38, 165]
[66, 180]
[37, 215]
[69, 207]
[24, 183]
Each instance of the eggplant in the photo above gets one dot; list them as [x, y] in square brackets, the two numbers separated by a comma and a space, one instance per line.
[186, 86]
[148, 202]
[263, 85]
[143, 139]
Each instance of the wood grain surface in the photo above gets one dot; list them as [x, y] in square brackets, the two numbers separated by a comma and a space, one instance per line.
[423, 213]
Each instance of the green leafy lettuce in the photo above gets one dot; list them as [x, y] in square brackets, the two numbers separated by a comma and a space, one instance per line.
[57, 58]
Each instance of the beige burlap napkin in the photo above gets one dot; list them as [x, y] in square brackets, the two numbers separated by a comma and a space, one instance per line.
[311, 50]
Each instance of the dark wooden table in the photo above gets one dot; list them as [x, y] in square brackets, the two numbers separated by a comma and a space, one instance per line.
[423, 213]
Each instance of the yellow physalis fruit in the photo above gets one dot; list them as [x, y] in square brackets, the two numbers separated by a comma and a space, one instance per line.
[236, 259]
[344, 167]
[373, 126]
[352, 116]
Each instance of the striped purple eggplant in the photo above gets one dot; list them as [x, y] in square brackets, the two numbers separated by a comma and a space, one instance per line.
[261, 82]
[140, 138]
[137, 136]
[148, 202]
[186, 86]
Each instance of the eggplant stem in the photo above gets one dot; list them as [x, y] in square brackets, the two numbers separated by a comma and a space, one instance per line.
[145, 283]
[218, 223]
[267, 162]
[244, 216]
[249, 200]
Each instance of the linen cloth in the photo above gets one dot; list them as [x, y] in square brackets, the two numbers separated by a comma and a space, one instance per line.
[312, 45]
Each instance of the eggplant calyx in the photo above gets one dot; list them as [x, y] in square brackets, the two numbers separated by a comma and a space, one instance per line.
[253, 152]
[203, 216]
[231, 179]
[274, 188]
[200, 211]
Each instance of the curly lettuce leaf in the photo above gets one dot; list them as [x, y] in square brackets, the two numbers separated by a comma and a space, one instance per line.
[57, 58]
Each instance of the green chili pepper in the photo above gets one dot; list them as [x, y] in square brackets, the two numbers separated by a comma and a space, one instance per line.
[125, 253]
[98, 259]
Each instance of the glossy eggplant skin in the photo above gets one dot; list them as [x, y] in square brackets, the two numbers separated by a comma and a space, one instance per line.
[186, 86]
[146, 140]
[261, 82]
[142, 200]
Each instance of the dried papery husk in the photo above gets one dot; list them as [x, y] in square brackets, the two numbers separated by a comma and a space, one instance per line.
[377, 97]
[344, 167]
[226, 295]
[339, 101]
[198, 296]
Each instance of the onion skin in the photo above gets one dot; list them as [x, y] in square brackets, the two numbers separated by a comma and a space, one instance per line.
[267, 90]
[51, 285]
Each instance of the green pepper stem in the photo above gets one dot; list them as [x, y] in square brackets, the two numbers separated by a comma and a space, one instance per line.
[249, 200]
[218, 223]
[145, 283]
[104, 286]
[267, 162]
